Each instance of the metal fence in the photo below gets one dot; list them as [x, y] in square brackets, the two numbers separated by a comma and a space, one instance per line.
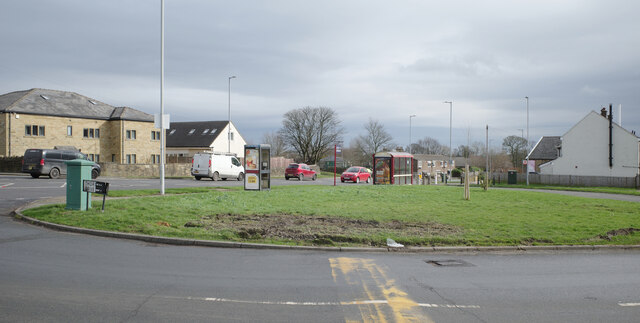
[571, 180]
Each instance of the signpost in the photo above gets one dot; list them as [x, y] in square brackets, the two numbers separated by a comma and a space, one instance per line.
[91, 186]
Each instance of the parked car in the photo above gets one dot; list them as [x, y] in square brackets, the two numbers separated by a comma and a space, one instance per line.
[356, 174]
[216, 166]
[51, 162]
[299, 171]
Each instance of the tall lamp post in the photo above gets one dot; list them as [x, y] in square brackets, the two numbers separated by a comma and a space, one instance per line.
[527, 98]
[229, 126]
[410, 140]
[450, 123]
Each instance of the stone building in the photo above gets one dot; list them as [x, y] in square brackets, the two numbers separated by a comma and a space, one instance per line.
[40, 118]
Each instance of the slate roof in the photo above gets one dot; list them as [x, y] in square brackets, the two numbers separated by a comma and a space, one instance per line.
[194, 134]
[546, 148]
[66, 104]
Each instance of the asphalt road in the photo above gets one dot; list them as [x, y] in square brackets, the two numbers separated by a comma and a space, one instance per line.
[53, 276]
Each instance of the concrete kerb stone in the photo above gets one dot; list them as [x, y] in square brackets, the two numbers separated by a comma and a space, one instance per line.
[228, 244]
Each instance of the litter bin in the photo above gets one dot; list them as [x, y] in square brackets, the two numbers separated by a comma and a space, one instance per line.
[512, 177]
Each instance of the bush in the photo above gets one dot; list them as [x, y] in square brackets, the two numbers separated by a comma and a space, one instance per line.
[456, 172]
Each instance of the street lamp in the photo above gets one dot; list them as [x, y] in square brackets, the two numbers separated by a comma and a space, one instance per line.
[229, 126]
[450, 123]
[411, 116]
[527, 98]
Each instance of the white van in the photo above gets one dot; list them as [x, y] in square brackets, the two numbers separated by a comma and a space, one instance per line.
[216, 166]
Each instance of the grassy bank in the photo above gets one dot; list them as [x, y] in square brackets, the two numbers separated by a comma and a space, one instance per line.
[363, 215]
[609, 190]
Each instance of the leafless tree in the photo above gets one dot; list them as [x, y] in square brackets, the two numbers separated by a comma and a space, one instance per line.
[311, 131]
[278, 146]
[375, 138]
[429, 146]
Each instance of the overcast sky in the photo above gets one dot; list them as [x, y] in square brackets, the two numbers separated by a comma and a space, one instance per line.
[381, 59]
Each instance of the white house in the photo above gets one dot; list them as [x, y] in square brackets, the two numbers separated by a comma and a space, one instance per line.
[188, 138]
[585, 150]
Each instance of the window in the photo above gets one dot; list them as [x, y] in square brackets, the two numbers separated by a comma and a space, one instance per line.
[33, 130]
[113, 158]
[131, 134]
[191, 132]
[205, 131]
[155, 135]
[231, 136]
[97, 158]
[131, 159]
[69, 131]
[172, 132]
[91, 157]
[91, 133]
[155, 159]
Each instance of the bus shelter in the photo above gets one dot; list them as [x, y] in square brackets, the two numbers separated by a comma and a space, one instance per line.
[397, 168]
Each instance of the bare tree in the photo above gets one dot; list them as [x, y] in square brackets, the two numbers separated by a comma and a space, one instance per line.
[310, 131]
[516, 148]
[375, 138]
[278, 146]
[429, 146]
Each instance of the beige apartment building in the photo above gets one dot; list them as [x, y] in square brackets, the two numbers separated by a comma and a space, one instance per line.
[40, 118]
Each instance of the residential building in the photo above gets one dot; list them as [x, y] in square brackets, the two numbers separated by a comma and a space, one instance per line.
[40, 118]
[188, 138]
[595, 146]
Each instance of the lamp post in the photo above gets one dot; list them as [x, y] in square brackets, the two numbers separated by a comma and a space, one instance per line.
[527, 98]
[411, 116]
[450, 123]
[162, 130]
[229, 126]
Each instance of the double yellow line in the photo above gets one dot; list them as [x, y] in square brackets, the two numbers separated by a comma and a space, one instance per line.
[381, 300]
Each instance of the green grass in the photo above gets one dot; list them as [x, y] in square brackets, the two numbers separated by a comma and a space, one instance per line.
[361, 215]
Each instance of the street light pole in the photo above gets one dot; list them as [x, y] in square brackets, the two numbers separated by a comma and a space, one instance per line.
[229, 126]
[527, 98]
[411, 116]
[450, 123]
[162, 130]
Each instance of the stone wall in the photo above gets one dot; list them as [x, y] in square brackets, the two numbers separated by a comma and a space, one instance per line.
[145, 170]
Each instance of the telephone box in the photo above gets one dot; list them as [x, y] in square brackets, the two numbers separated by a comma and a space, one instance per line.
[394, 168]
[257, 167]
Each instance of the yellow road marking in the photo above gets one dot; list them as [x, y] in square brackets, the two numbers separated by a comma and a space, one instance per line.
[384, 301]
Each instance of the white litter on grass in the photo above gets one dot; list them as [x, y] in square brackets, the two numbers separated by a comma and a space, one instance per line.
[391, 243]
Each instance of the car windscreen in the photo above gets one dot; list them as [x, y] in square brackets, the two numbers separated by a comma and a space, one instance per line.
[352, 170]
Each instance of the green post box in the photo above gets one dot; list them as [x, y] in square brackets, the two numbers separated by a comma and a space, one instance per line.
[78, 170]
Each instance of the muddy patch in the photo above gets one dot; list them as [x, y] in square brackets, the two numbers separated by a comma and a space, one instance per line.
[619, 232]
[321, 230]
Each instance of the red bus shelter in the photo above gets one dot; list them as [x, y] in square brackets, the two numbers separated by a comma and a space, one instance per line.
[394, 168]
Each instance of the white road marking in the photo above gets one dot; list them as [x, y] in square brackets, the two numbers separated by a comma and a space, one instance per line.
[363, 302]
[629, 304]
[5, 185]
[63, 185]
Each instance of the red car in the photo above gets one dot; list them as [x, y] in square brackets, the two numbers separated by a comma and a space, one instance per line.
[299, 171]
[356, 174]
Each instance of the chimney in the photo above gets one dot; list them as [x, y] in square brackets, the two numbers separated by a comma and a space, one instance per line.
[603, 112]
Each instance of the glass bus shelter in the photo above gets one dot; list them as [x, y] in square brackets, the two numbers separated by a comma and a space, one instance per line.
[397, 168]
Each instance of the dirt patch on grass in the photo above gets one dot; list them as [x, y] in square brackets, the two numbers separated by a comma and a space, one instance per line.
[321, 230]
[618, 232]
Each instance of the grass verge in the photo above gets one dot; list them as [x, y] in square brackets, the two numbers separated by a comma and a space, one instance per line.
[362, 216]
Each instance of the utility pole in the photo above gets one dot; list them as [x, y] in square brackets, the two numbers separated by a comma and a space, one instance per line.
[527, 169]
[486, 172]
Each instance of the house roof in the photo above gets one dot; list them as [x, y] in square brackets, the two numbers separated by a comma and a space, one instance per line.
[546, 148]
[194, 134]
[66, 104]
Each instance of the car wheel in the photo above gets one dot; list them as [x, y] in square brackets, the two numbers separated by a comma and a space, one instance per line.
[198, 178]
[301, 177]
[35, 175]
[357, 180]
[342, 180]
[94, 174]
[314, 177]
[287, 178]
[216, 176]
[224, 178]
[54, 173]
[240, 176]
[368, 179]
